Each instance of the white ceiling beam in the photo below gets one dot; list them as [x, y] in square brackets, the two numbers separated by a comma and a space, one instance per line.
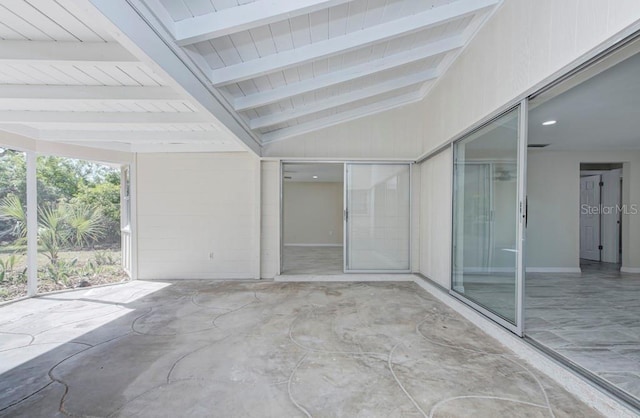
[349, 42]
[47, 117]
[131, 136]
[326, 80]
[229, 146]
[342, 99]
[9, 92]
[12, 51]
[244, 17]
[138, 29]
[342, 117]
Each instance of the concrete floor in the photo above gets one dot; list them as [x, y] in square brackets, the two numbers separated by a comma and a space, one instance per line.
[590, 318]
[258, 349]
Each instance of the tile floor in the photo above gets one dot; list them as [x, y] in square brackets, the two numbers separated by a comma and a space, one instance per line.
[591, 318]
[313, 260]
[261, 349]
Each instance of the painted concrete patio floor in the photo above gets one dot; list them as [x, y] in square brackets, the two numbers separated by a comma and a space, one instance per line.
[261, 349]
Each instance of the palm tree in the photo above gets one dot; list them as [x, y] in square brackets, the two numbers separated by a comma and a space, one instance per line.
[11, 209]
[60, 226]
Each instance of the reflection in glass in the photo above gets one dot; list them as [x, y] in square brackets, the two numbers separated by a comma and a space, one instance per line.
[378, 216]
[485, 216]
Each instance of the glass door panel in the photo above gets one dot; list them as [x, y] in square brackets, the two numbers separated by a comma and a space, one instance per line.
[377, 217]
[486, 219]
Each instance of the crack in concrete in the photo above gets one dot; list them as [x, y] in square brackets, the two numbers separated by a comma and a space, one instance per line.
[442, 402]
[315, 350]
[26, 397]
[509, 357]
[61, 407]
[213, 322]
[411, 398]
[175, 363]
[18, 333]
[289, 384]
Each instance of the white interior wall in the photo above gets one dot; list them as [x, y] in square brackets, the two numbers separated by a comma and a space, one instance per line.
[270, 225]
[312, 213]
[524, 44]
[435, 217]
[553, 188]
[194, 205]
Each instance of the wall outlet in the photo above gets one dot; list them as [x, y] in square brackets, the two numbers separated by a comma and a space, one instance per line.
[211, 256]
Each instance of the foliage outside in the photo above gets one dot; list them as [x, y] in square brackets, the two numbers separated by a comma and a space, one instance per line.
[78, 224]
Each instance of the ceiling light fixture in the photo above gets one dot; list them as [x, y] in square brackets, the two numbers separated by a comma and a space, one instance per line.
[315, 177]
[549, 122]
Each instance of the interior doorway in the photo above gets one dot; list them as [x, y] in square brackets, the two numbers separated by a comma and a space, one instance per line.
[600, 213]
[312, 218]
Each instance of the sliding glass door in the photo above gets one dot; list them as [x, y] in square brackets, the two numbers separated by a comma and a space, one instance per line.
[377, 217]
[488, 219]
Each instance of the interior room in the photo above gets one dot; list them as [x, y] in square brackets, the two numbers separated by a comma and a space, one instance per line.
[583, 257]
[312, 218]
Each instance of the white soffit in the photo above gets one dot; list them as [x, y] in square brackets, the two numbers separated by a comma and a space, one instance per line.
[287, 67]
[64, 78]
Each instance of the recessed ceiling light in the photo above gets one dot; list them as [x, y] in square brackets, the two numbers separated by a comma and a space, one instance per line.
[549, 122]
[315, 177]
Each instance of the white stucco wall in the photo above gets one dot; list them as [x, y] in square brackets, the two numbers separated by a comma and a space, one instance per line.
[270, 225]
[435, 218]
[392, 134]
[192, 205]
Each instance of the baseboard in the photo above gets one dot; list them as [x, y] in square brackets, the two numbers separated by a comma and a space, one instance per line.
[630, 269]
[554, 270]
[480, 270]
[312, 245]
[488, 270]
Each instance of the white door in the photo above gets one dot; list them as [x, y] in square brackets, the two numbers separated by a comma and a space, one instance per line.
[610, 233]
[590, 217]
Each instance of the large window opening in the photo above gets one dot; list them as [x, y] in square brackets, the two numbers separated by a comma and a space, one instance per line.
[352, 217]
[13, 224]
[583, 235]
[486, 219]
[79, 241]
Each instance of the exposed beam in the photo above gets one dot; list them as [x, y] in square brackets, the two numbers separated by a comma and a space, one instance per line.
[9, 92]
[349, 42]
[230, 146]
[135, 26]
[132, 136]
[342, 99]
[245, 17]
[326, 80]
[12, 51]
[352, 114]
[29, 117]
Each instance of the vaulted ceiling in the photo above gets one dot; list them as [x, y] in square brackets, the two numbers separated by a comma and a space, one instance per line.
[287, 67]
[218, 75]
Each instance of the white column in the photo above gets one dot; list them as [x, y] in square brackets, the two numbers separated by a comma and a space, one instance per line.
[32, 225]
